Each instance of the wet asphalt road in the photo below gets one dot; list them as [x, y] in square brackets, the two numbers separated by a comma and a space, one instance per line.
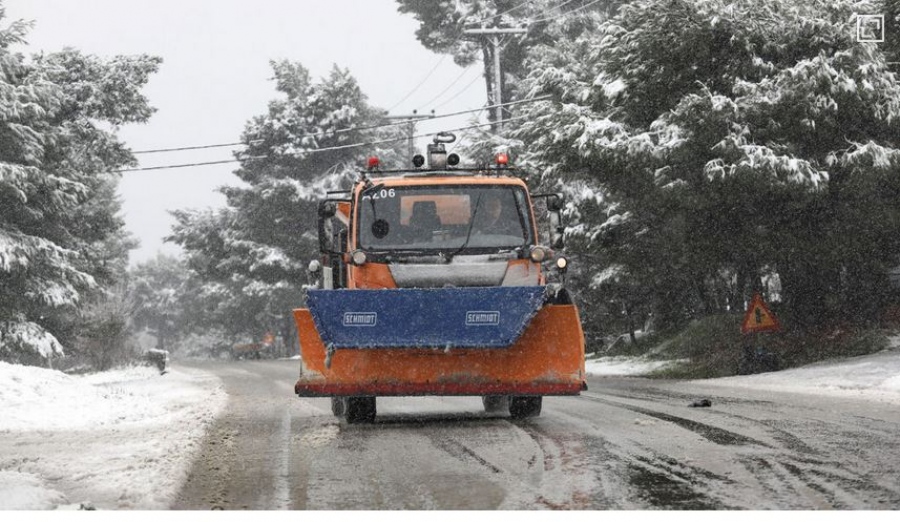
[624, 444]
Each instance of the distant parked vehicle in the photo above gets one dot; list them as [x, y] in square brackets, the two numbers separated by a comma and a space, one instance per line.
[257, 350]
[158, 358]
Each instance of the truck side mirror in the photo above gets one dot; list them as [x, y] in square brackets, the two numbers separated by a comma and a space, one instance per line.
[555, 202]
[326, 212]
[556, 230]
[327, 209]
[314, 270]
[555, 205]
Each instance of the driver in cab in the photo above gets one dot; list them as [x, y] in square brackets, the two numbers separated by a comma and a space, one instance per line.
[495, 220]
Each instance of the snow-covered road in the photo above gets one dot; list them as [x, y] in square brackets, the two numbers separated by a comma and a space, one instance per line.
[125, 439]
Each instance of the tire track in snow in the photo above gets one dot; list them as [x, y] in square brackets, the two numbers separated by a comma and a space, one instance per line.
[282, 476]
[712, 433]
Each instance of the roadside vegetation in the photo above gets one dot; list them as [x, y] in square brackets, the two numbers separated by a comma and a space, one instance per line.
[708, 150]
[713, 346]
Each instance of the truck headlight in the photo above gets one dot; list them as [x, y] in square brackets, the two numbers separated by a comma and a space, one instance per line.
[538, 254]
[358, 257]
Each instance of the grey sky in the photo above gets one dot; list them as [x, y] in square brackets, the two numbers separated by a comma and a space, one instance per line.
[215, 76]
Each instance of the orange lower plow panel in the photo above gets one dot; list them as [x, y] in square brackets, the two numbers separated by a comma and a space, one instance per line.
[547, 359]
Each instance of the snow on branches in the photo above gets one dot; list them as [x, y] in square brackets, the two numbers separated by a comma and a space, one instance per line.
[62, 242]
[20, 337]
[692, 117]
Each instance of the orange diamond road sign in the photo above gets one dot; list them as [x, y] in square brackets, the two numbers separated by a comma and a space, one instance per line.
[759, 318]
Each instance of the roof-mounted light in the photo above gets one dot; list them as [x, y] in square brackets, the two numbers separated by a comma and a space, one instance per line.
[373, 163]
[418, 160]
[437, 156]
[453, 159]
[502, 159]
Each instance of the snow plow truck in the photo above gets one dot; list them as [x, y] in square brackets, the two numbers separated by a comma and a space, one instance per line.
[433, 281]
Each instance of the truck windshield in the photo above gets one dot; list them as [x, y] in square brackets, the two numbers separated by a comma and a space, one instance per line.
[474, 217]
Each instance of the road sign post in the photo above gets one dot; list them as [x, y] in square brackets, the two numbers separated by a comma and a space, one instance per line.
[758, 319]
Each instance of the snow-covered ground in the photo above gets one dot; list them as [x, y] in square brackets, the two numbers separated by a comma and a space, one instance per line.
[121, 439]
[875, 376]
[125, 439]
[623, 365]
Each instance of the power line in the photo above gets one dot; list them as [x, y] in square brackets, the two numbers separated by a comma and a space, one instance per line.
[315, 151]
[493, 34]
[545, 10]
[466, 133]
[182, 165]
[341, 131]
[391, 140]
[567, 13]
[196, 147]
[458, 94]
[448, 87]
[416, 88]
[523, 4]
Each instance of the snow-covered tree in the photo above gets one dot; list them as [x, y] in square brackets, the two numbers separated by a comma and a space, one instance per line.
[35, 272]
[62, 244]
[254, 253]
[443, 25]
[156, 291]
[738, 136]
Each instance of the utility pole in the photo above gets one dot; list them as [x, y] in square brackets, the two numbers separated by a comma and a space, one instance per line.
[411, 120]
[493, 35]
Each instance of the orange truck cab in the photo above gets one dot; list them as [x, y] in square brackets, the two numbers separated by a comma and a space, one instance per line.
[433, 281]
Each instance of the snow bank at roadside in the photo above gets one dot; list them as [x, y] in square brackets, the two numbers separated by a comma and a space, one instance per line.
[875, 376]
[122, 439]
[623, 366]
[37, 398]
[27, 491]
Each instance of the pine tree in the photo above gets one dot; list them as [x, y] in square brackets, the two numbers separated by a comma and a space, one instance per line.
[548, 22]
[731, 141]
[62, 245]
[156, 290]
[254, 253]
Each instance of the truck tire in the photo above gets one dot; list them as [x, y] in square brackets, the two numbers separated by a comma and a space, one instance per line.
[360, 410]
[495, 403]
[339, 406]
[524, 407]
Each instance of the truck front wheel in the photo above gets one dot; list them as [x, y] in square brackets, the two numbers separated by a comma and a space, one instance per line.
[524, 407]
[495, 403]
[339, 406]
[360, 409]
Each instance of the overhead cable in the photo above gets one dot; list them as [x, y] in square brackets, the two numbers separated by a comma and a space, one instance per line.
[449, 86]
[325, 149]
[567, 13]
[416, 88]
[342, 131]
[523, 4]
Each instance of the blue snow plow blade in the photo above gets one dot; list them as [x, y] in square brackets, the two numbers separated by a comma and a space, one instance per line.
[434, 317]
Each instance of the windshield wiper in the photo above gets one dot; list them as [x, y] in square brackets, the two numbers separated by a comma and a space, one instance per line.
[504, 251]
[395, 254]
[465, 244]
